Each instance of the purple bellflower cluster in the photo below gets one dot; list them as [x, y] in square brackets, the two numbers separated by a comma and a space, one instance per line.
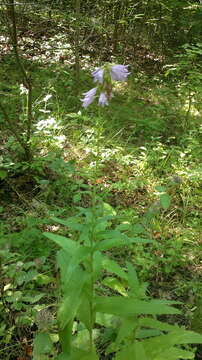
[104, 78]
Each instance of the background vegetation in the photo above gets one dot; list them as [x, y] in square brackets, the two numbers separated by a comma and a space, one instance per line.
[141, 154]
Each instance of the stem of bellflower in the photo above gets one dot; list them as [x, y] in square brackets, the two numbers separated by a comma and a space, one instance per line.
[93, 234]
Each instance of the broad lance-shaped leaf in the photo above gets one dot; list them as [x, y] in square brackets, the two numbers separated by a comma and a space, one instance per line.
[114, 238]
[123, 306]
[65, 243]
[63, 259]
[113, 267]
[137, 351]
[72, 301]
[101, 225]
[132, 352]
[79, 256]
[133, 281]
[85, 234]
[119, 242]
[147, 333]
[84, 312]
[156, 347]
[77, 354]
[156, 324]
[175, 353]
[65, 338]
[68, 264]
[109, 234]
[126, 329]
[73, 223]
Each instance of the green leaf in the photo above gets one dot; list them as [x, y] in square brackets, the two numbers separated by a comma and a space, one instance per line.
[156, 347]
[89, 356]
[68, 264]
[115, 285]
[3, 174]
[42, 345]
[65, 338]
[147, 333]
[119, 241]
[63, 259]
[114, 238]
[80, 255]
[165, 201]
[113, 267]
[133, 281]
[105, 320]
[156, 324]
[139, 240]
[123, 306]
[175, 353]
[43, 279]
[73, 223]
[72, 301]
[108, 209]
[84, 312]
[65, 243]
[82, 339]
[139, 351]
[101, 225]
[132, 352]
[26, 277]
[85, 234]
[110, 234]
[126, 329]
[78, 354]
[32, 299]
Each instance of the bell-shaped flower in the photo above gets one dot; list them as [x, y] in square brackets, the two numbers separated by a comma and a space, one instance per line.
[98, 75]
[119, 72]
[103, 99]
[89, 97]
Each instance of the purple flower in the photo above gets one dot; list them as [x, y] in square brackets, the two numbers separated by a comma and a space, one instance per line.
[98, 75]
[119, 72]
[89, 97]
[103, 99]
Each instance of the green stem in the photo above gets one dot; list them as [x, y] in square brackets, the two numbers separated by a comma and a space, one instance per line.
[92, 295]
[92, 238]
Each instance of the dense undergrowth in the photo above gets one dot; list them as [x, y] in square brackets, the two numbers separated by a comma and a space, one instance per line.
[147, 173]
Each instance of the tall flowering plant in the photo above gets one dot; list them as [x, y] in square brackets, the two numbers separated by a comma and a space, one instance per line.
[84, 261]
[104, 78]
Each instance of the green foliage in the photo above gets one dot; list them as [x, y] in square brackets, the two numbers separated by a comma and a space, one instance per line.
[42, 346]
[81, 262]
